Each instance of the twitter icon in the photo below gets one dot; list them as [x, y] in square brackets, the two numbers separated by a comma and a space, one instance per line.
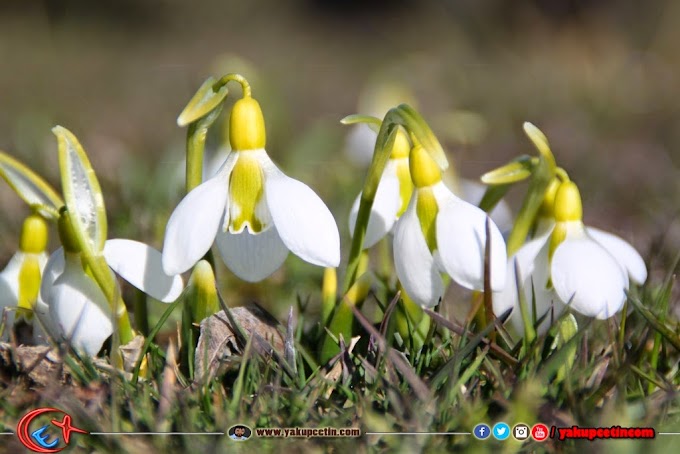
[501, 431]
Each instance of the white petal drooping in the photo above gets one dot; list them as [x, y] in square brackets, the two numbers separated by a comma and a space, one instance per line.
[193, 225]
[140, 265]
[461, 242]
[588, 278]
[623, 252]
[79, 309]
[413, 262]
[303, 221]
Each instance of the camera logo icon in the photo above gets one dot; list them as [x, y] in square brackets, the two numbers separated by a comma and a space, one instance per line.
[520, 432]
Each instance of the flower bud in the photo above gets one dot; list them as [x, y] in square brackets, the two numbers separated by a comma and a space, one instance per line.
[203, 297]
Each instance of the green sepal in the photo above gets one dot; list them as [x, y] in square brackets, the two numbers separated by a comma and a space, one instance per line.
[372, 122]
[516, 170]
[82, 193]
[203, 102]
[30, 187]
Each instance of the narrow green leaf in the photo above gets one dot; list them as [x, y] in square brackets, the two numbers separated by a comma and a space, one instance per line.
[32, 189]
[657, 324]
[203, 102]
[82, 193]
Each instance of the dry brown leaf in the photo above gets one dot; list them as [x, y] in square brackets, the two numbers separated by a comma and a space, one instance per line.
[219, 340]
[40, 362]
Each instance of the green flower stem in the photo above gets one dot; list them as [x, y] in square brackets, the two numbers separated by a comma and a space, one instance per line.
[224, 80]
[196, 135]
[540, 180]
[106, 281]
[141, 312]
[407, 117]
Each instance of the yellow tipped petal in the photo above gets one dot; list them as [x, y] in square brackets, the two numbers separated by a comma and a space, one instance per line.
[246, 125]
[424, 170]
[568, 203]
[33, 235]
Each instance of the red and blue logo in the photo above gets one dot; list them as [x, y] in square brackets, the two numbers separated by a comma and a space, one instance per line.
[35, 434]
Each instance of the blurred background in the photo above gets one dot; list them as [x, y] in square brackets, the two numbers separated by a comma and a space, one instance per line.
[601, 78]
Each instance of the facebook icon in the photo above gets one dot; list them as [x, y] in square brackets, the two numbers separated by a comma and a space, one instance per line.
[481, 431]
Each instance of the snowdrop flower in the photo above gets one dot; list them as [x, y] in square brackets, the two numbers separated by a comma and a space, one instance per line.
[394, 192]
[570, 264]
[254, 212]
[20, 280]
[76, 309]
[439, 232]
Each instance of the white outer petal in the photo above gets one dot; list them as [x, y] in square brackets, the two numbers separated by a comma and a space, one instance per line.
[413, 262]
[585, 273]
[623, 252]
[304, 222]
[9, 282]
[9, 290]
[252, 257]
[141, 266]
[9, 285]
[461, 239]
[53, 269]
[193, 225]
[384, 210]
[473, 192]
[79, 309]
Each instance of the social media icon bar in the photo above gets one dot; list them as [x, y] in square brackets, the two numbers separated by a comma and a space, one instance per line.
[501, 431]
[520, 431]
[539, 432]
[481, 431]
